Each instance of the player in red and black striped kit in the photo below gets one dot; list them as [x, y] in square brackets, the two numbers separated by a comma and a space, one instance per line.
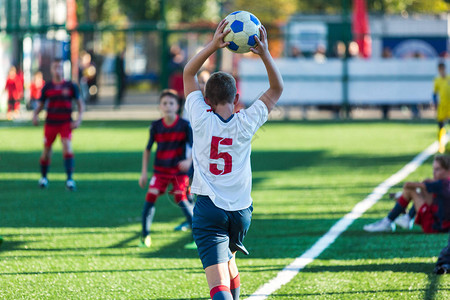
[173, 136]
[57, 96]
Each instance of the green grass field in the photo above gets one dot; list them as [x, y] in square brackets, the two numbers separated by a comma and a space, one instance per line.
[306, 176]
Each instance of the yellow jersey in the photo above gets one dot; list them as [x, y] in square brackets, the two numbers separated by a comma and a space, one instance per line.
[442, 88]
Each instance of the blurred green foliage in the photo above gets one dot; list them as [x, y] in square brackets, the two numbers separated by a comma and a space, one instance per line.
[180, 11]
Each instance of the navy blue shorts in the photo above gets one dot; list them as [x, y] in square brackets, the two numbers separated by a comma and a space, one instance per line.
[218, 232]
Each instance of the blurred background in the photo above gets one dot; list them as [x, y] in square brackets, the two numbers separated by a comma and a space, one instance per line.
[339, 58]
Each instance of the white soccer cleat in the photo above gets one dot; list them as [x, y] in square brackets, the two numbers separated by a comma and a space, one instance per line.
[146, 241]
[405, 222]
[43, 183]
[383, 225]
[185, 226]
[70, 185]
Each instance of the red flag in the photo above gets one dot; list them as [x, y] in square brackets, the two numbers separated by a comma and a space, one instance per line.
[360, 28]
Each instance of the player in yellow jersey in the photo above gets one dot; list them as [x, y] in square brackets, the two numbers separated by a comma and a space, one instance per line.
[441, 98]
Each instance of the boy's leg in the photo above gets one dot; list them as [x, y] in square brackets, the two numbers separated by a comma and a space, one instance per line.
[157, 186]
[235, 282]
[69, 162]
[210, 229]
[443, 262]
[407, 196]
[44, 161]
[16, 108]
[187, 209]
[423, 204]
[218, 278]
[9, 114]
[50, 134]
[239, 224]
[412, 212]
[400, 205]
[180, 184]
[419, 199]
[441, 125]
[148, 214]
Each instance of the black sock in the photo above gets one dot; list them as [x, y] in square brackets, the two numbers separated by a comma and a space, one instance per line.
[396, 211]
[147, 217]
[235, 293]
[44, 167]
[412, 212]
[187, 209]
[68, 164]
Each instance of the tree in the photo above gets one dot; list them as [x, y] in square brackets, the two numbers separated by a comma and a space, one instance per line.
[382, 6]
[269, 11]
[176, 10]
[399, 6]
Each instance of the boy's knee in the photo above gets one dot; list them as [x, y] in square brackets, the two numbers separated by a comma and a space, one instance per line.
[179, 196]
[152, 195]
[153, 191]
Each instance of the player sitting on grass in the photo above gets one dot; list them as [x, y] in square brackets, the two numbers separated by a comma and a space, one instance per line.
[431, 200]
[57, 96]
[172, 134]
[221, 154]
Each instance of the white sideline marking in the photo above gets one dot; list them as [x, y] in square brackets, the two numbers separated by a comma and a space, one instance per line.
[288, 273]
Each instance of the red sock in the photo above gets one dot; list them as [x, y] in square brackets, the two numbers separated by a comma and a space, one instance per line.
[217, 289]
[235, 283]
[402, 201]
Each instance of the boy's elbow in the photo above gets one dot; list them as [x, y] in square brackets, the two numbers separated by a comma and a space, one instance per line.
[188, 72]
[281, 87]
[278, 90]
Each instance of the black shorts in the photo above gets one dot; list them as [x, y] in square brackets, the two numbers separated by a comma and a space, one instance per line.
[219, 232]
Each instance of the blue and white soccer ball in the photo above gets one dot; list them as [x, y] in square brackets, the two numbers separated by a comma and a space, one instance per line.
[244, 26]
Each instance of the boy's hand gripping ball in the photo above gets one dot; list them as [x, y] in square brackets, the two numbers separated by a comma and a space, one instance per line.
[244, 26]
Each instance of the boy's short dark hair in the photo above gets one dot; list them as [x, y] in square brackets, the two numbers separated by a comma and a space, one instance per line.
[441, 65]
[171, 93]
[443, 160]
[220, 88]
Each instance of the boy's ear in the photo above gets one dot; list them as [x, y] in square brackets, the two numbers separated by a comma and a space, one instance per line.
[236, 99]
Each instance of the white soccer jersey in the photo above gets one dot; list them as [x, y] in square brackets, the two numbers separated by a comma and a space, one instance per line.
[221, 152]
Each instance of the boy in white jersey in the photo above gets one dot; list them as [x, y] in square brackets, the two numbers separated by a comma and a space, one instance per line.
[221, 154]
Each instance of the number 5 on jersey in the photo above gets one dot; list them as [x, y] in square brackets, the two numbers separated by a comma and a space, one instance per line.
[215, 154]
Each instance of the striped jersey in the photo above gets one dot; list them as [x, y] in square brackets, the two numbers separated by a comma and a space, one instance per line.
[59, 98]
[441, 192]
[221, 152]
[172, 141]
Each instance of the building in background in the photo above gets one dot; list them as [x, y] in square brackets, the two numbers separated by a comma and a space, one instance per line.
[399, 36]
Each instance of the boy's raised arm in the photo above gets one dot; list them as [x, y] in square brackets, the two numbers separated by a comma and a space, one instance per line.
[271, 96]
[195, 63]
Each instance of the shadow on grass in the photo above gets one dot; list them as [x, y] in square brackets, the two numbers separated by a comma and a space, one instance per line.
[186, 270]
[288, 160]
[412, 267]
[377, 294]
[182, 298]
[114, 203]
[432, 288]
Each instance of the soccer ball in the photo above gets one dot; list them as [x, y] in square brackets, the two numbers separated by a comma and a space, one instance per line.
[244, 26]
